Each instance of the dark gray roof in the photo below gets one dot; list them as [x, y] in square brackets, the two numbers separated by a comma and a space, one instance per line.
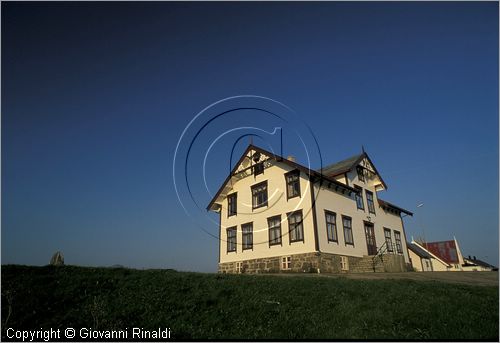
[481, 263]
[384, 203]
[417, 250]
[341, 167]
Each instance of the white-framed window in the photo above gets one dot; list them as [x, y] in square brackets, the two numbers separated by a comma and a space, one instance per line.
[286, 263]
[344, 263]
[239, 267]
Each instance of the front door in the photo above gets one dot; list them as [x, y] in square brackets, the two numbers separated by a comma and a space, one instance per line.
[370, 239]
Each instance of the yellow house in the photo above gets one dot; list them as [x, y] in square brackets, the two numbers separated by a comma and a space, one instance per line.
[473, 264]
[420, 258]
[278, 215]
[438, 263]
[443, 256]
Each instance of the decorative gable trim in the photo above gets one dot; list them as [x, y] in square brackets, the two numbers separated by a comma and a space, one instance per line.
[238, 173]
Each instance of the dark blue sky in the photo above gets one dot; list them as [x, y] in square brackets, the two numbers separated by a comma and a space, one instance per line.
[95, 97]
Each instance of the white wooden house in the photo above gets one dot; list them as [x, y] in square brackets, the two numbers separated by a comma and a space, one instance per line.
[278, 215]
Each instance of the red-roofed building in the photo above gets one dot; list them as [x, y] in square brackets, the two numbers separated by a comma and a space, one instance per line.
[448, 251]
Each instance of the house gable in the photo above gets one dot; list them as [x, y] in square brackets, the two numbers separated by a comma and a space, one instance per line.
[246, 166]
[351, 166]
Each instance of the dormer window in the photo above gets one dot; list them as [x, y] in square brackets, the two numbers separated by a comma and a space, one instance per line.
[361, 175]
[292, 184]
[259, 195]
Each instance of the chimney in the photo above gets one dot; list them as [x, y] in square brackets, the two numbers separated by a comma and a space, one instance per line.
[474, 257]
[469, 257]
[291, 158]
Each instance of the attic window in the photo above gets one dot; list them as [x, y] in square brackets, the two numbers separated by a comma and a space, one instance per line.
[361, 175]
[258, 168]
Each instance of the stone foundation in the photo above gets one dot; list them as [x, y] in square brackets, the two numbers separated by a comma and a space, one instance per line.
[318, 262]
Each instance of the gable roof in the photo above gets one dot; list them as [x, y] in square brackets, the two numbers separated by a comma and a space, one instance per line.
[341, 167]
[446, 250]
[311, 172]
[430, 253]
[479, 263]
[418, 250]
[349, 164]
[387, 205]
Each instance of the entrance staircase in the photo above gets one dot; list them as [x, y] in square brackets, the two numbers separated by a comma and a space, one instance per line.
[368, 265]
[375, 263]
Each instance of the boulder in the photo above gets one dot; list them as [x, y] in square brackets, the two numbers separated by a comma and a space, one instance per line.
[57, 259]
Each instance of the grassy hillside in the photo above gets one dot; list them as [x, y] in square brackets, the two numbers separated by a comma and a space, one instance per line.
[211, 306]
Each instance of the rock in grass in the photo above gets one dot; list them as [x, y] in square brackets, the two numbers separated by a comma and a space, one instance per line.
[57, 259]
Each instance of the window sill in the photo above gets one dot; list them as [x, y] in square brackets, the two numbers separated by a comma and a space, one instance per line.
[292, 197]
[260, 206]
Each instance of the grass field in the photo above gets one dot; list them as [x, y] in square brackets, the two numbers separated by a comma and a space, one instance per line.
[211, 306]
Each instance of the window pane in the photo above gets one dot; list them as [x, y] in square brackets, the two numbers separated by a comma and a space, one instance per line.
[274, 230]
[259, 195]
[231, 239]
[231, 201]
[247, 230]
[397, 237]
[295, 227]
[347, 230]
[331, 226]
[361, 176]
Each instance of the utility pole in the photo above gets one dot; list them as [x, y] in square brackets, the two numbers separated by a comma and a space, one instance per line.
[421, 205]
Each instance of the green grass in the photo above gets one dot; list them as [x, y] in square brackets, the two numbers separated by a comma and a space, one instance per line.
[211, 306]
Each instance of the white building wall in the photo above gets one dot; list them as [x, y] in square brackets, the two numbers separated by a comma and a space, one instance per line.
[277, 205]
[345, 205]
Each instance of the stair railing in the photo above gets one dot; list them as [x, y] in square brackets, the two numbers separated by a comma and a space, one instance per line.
[383, 248]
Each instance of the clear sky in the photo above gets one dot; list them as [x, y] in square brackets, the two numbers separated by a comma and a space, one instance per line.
[95, 97]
